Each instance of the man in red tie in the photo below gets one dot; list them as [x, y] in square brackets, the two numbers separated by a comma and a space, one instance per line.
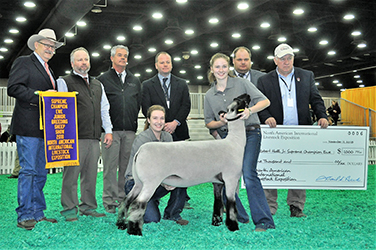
[27, 75]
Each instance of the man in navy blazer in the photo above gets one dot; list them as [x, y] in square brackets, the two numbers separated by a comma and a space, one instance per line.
[172, 93]
[175, 98]
[242, 64]
[27, 75]
[290, 90]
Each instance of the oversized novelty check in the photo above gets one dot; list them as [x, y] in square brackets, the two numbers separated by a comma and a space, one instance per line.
[308, 157]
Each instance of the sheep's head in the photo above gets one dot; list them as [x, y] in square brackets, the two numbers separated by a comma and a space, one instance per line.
[237, 106]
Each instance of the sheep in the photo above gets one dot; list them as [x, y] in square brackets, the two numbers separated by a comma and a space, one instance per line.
[184, 164]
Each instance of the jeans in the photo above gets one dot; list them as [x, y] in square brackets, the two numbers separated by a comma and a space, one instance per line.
[174, 207]
[260, 211]
[31, 179]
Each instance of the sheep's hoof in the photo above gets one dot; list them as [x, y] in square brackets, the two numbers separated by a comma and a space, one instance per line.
[134, 228]
[121, 225]
[217, 221]
[232, 225]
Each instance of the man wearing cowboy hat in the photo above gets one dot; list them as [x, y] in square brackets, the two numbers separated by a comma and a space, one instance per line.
[27, 75]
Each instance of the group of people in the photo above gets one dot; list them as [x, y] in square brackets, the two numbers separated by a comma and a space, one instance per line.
[111, 103]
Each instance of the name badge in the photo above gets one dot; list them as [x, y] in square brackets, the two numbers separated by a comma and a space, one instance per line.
[290, 102]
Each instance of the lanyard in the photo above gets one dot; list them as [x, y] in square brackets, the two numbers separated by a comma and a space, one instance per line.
[288, 88]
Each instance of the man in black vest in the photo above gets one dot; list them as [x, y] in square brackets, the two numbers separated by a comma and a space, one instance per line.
[123, 90]
[92, 113]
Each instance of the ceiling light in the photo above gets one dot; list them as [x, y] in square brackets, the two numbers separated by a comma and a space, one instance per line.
[265, 25]
[197, 66]
[96, 10]
[339, 84]
[298, 11]
[186, 55]
[194, 52]
[95, 54]
[21, 19]
[106, 46]
[152, 49]
[81, 23]
[362, 45]
[312, 29]
[137, 74]
[332, 52]
[3, 49]
[282, 39]
[243, 6]
[357, 76]
[356, 33]
[349, 17]
[361, 86]
[177, 59]
[256, 47]
[236, 35]
[67, 72]
[157, 15]
[335, 81]
[8, 40]
[214, 45]
[1, 57]
[137, 27]
[189, 32]
[213, 20]
[14, 31]
[69, 34]
[169, 41]
[120, 38]
[296, 50]
[270, 57]
[323, 42]
[181, 1]
[359, 81]
[200, 77]
[137, 57]
[29, 4]
[317, 83]
[149, 70]
[182, 71]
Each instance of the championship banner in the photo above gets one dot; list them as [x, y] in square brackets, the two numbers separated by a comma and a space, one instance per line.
[60, 128]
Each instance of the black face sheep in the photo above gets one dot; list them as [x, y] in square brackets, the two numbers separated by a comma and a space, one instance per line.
[184, 164]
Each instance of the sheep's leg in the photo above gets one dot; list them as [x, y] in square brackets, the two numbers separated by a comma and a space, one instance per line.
[124, 207]
[137, 209]
[231, 211]
[136, 217]
[218, 205]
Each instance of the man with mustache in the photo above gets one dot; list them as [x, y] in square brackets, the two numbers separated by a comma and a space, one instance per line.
[93, 114]
[29, 74]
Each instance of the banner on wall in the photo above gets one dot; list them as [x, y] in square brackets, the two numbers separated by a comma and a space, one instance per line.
[59, 122]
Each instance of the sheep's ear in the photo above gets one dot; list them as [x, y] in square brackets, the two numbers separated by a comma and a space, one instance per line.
[221, 112]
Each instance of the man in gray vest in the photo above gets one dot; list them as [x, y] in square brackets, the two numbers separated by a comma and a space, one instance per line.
[93, 114]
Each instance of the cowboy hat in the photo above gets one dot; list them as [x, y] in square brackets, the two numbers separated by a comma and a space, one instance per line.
[47, 34]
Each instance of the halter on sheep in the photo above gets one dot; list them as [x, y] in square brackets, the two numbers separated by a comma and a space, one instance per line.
[184, 164]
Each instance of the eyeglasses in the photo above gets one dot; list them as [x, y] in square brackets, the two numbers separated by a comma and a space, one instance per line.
[48, 46]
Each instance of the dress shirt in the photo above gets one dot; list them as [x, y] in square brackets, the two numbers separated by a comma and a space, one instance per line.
[288, 92]
[105, 106]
